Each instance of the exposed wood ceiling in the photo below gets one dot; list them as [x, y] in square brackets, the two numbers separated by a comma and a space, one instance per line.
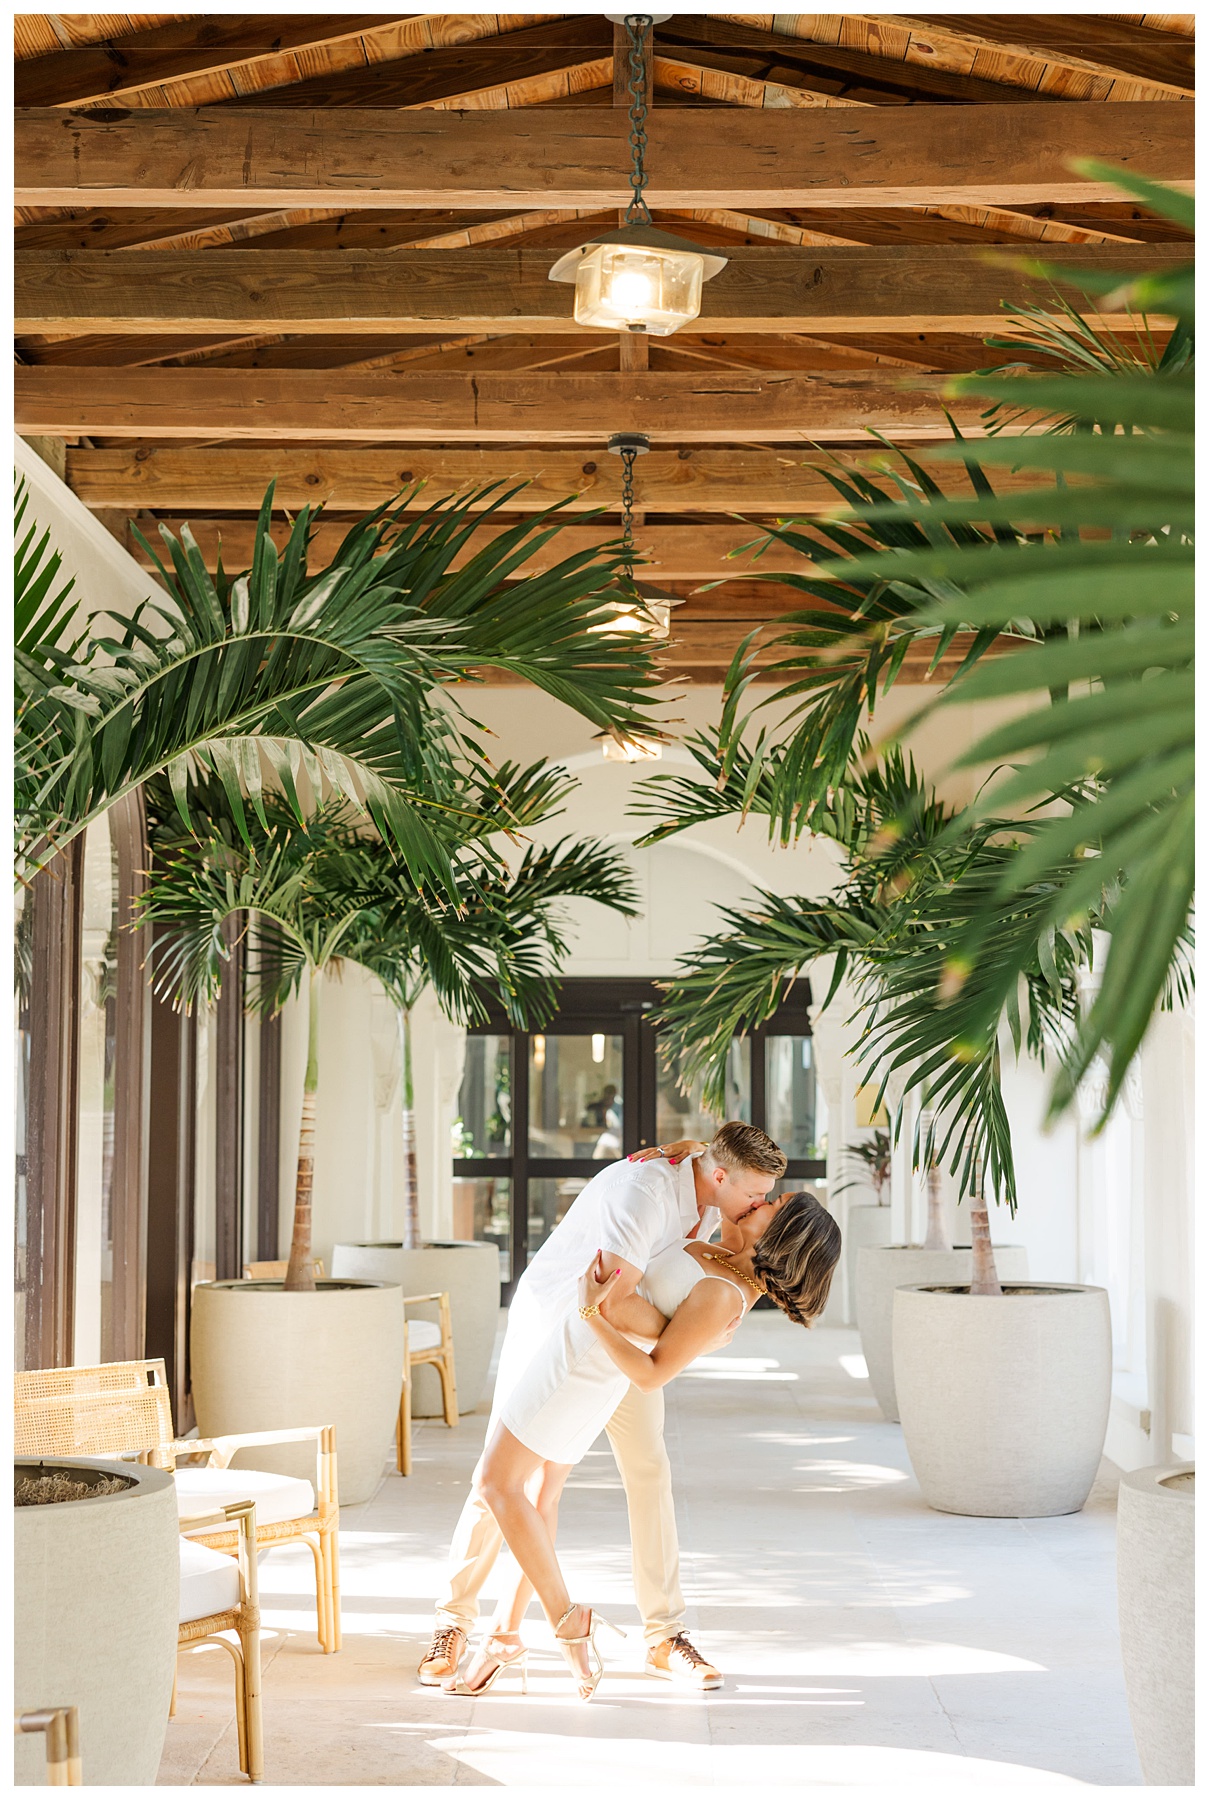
[315, 247]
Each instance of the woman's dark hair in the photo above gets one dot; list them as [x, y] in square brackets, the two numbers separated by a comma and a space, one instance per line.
[795, 1258]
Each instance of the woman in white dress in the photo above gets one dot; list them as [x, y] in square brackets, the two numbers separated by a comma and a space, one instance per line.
[696, 1294]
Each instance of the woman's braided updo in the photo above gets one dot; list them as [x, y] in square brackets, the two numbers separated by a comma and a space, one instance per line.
[795, 1258]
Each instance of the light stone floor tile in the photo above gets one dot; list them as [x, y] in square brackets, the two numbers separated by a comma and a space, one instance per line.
[868, 1641]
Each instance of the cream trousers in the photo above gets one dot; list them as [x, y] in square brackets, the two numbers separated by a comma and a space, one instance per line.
[635, 1435]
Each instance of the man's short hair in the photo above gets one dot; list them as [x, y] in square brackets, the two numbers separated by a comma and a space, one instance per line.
[739, 1146]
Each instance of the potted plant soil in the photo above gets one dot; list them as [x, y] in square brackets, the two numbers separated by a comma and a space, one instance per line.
[1155, 1532]
[96, 1596]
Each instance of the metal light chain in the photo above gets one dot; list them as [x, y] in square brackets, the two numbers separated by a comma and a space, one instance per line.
[627, 509]
[637, 25]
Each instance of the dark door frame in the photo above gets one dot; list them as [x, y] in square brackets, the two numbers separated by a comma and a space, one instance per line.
[616, 1007]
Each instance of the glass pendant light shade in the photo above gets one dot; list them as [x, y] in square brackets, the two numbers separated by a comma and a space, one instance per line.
[636, 748]
[637, 279]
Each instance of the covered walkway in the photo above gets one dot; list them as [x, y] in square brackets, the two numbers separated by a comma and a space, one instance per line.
[867, 1639]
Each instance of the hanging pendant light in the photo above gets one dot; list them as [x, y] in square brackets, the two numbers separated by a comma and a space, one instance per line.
[637, 278]
[638, 606]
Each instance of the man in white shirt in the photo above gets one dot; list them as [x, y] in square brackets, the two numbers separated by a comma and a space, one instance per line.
[631, 1211]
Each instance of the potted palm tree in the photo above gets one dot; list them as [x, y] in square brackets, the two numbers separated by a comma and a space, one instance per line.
[506, 942]
[870, 1161]
[265, 1353]
[1087, 612]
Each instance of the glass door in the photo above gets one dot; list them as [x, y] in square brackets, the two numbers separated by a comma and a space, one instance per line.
[540, 1112]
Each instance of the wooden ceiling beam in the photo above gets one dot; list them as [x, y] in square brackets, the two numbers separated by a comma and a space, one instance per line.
[557, 157]
[666, 481]
[404, 407]
[245, 292]
[683, 553]
[1080, 43]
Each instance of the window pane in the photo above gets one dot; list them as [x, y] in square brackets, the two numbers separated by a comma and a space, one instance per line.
[484, 1123]
[98, 1039]
[575, 1096]
[797, 1116]
[681, 1115]
[549, 1198]
[482, 1209]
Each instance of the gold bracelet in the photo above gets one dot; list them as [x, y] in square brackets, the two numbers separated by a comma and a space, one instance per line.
[588, 1312]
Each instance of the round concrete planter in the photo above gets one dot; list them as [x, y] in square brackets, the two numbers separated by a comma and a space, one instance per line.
[1003, 1399]
[1155, 1511]
[882, 1268]
[470, 1274]
[96, 1597]
[864, 1226]
[264, 1360]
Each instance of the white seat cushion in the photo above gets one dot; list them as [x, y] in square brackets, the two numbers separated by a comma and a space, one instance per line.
[209, 1582]
[277, 1497]
[422, 1334]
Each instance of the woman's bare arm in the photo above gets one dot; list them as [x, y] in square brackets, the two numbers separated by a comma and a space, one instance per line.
[710, 1312]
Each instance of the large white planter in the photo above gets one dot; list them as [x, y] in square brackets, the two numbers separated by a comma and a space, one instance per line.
[264, 1360]
[1003, 1399]
[96, 1597]
[1155, 1513]
[469, 1273]
[882, 1268]
[864, 1226]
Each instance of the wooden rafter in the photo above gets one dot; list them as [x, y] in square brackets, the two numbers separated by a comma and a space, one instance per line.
[749, 159]
[455, 292]
[934, 43]
[707, 481]
[199, 60]
[423, 408]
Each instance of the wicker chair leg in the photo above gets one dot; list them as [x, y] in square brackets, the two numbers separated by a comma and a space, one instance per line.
[331, 1550]
[314, 1542]
[449, 1390]
[403, 1428]
[252, 1763]
[172, 1702]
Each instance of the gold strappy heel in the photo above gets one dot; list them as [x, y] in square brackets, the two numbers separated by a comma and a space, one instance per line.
[518, 1660]
[591, 1681]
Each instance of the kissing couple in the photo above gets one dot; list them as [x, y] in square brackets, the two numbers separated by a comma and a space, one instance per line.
[626, 1291]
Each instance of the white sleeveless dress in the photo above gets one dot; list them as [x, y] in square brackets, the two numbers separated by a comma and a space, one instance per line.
[564, 1398]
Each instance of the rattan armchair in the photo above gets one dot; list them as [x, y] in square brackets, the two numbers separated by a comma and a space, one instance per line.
[124, 1409]
[238, 1611]
[425, 1341]
[61, 1726]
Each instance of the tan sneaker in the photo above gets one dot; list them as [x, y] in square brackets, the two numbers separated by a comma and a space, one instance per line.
[445, 1652]
[676, 1659]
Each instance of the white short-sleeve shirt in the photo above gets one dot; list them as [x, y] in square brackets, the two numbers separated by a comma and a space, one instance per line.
[629, 1210]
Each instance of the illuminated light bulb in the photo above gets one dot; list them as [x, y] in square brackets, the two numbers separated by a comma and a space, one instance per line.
[598, 1046]
[635, 748]
[539, 1051]
[637, 279]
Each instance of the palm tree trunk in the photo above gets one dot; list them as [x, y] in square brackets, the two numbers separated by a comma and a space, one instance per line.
[984, 1278]
[938, 1232]
[300, 1275]
[411, 1183]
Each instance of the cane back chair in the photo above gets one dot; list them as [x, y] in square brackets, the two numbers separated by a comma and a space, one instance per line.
[219, 1595]
[425, 1341]
[124, 1409]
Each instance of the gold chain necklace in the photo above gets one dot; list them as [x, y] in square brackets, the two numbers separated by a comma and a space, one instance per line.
[726, 1263]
